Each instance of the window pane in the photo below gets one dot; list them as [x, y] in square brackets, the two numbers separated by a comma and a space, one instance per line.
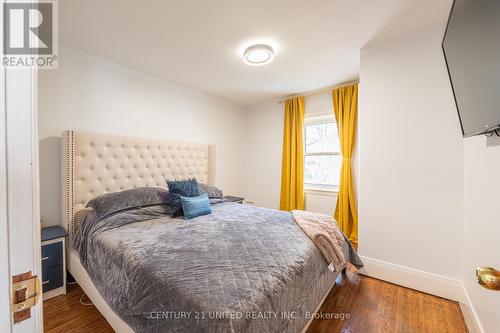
[322, 170]
[322, 138]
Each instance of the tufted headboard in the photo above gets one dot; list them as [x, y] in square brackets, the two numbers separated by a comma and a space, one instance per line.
[96, 164]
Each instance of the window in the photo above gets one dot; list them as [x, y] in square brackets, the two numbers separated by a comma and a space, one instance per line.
[322, 154]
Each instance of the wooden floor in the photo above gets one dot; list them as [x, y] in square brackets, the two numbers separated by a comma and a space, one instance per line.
[65, 314]
[378, 306]
[372, 306]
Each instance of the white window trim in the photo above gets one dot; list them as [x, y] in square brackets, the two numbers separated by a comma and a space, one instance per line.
[318, 188]
[319, 118]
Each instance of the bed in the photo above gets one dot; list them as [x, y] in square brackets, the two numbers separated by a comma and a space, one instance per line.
[239, 269]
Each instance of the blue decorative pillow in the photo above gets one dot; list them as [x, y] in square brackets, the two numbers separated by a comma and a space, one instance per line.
[178, 189]
[195, 206]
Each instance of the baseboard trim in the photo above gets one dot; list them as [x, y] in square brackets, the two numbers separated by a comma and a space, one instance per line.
[470, 315]
[426, 282]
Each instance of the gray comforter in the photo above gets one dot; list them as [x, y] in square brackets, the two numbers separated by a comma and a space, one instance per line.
[239, 269]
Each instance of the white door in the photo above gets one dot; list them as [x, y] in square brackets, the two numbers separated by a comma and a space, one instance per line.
[19, 210]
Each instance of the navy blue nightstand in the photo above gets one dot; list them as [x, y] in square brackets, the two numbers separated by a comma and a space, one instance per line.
[53, 261]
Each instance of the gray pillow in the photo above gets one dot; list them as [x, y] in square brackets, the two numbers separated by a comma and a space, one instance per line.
[211, 191]
[109, 203]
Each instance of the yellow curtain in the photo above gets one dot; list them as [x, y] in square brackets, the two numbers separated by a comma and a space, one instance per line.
[292, 170]
[345, 106]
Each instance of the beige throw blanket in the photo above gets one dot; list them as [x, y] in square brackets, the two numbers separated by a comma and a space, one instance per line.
[325, 234]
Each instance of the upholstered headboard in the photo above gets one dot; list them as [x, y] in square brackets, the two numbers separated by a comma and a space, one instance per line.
[96, 164]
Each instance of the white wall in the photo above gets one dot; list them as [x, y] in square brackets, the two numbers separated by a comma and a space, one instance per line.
[410, 157]
[482, 225]
[263, 159]
[91, 94]
[428, 202]
[264, 149]
[321, 202]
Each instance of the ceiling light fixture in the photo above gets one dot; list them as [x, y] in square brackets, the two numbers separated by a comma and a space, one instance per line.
[258, 54]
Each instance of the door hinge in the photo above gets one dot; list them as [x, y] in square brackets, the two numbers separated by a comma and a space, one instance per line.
[25, 294]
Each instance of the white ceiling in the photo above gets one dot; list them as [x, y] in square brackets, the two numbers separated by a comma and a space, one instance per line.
[198, 43]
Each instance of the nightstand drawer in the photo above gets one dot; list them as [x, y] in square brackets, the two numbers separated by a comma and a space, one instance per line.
[52, 278]
[52, 255]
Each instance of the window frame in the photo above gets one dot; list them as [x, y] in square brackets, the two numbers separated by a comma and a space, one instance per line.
[316, 120]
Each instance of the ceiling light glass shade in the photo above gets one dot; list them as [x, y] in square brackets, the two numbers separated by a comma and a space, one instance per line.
[259, 54]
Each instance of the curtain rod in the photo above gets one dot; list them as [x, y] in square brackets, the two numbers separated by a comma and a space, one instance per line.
[318, 91]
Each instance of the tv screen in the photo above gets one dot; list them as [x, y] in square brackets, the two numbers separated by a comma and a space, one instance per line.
[472, 50]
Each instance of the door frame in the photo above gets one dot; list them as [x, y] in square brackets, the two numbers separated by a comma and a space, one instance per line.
[13, 231]
[5, 322]
[18, 93]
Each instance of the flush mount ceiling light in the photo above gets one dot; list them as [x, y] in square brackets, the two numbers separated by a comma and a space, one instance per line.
[258, 54]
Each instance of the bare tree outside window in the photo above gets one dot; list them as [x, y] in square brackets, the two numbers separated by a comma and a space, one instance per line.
[322, 153]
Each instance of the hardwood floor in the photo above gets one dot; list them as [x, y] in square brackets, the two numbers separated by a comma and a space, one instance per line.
[65, 314]
[372, 306]
[378, 306]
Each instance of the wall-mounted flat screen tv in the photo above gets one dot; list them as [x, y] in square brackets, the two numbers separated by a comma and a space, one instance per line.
[472, 50]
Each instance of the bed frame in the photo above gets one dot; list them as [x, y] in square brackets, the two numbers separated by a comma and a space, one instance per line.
[94, 164]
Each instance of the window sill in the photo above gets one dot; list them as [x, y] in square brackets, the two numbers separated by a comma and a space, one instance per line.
[321, 191]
